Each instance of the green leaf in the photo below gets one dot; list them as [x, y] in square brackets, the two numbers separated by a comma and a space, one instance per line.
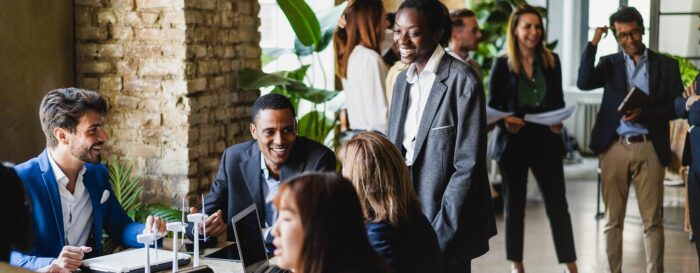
[311, 94]
[315, 125]
[298, 74]
[303, 21]
[328, 20]
[250, 78]
[165, 212]
[552, 45]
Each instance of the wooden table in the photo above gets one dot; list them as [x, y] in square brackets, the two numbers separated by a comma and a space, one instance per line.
[219, 266]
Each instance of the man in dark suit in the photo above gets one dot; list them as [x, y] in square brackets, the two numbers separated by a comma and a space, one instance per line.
[634, 146]
[686, 107]
[438, 121]
[252, 171]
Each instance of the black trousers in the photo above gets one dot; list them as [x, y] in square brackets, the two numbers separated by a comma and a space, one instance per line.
[535, 147]
[460, 267]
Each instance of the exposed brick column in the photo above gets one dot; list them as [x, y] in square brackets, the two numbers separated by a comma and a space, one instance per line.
[168, 69]
[222, 38]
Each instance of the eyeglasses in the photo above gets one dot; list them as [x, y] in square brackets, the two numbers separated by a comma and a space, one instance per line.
[634, 34]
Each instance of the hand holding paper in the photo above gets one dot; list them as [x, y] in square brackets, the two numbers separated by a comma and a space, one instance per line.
[552, 117]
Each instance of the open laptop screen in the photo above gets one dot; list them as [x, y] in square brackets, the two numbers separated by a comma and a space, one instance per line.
[249, 239]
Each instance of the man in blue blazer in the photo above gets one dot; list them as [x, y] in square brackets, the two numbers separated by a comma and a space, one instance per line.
[634, 147]
[686, 107]
[71, 198]
[252, 171]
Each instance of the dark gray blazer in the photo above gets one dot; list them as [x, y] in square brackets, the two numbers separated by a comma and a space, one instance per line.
[238, 182]
[449, 169]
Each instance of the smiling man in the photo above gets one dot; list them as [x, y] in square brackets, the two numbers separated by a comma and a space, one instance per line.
[70, 196]
[633, 146]
[252, 171]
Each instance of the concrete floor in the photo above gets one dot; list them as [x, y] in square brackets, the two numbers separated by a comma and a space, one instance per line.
[680, 255]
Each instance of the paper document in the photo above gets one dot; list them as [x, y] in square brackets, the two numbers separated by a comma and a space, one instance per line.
[493, 115]
[551, 117]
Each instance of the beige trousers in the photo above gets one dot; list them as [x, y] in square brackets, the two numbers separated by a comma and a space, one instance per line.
[633, 163]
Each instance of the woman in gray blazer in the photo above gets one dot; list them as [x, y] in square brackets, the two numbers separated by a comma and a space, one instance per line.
[437, 120]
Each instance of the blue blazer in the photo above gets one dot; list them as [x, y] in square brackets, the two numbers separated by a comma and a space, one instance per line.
[413, 247]
[48, 236]
[664, 86]
[691, 151]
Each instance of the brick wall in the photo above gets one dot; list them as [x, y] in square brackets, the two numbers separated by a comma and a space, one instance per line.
[169, 71]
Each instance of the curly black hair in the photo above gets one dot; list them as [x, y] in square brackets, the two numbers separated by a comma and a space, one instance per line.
[436, 14]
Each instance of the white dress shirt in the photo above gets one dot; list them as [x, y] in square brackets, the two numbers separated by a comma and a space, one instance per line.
[418, 97]
[76, 206]
[364, 90]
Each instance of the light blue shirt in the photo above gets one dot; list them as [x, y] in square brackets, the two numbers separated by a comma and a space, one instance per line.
[637, 75]
[270, 186]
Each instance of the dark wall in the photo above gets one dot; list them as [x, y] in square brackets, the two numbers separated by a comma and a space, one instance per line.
[36, 55]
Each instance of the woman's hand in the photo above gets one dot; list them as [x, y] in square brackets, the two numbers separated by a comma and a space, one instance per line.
[513, 124]
[556, 128]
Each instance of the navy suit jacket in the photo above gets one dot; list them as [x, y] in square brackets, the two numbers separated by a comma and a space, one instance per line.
[692, 140]
[664, 86]
[47, 216]
[238, 181]
[503, 96]
[412, 247]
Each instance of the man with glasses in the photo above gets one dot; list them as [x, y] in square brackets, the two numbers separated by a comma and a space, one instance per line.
[634, 146]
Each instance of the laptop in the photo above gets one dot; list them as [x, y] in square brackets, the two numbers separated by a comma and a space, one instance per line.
[250, 245]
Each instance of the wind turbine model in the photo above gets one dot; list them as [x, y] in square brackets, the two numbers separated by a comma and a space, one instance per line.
[177, 227]
[197, 218]
[147, 240]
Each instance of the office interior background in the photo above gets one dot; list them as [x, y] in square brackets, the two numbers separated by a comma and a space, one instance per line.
[173, 70]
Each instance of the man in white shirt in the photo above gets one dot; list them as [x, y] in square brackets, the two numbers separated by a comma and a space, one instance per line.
[71, 199]
[465, 37]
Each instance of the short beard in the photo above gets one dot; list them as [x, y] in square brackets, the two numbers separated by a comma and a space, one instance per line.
[86, 155]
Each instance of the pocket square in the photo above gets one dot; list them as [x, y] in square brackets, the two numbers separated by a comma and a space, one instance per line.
[105, 196]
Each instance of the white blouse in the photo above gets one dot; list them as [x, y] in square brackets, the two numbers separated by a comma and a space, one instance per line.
[364, 90]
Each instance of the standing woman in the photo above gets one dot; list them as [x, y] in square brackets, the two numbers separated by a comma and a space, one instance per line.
[528, 80]
[396, 228]
[438, 122]
[360, 66]
[320, 227]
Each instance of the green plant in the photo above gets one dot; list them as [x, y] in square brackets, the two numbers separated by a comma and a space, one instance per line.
[688, 70]
[313, 35]
[127, 190]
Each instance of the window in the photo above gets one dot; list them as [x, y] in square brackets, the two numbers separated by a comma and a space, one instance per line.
[674, 18]
[275, 32]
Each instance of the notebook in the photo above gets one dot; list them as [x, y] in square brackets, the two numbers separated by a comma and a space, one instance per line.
[134, 261]
[636, 98]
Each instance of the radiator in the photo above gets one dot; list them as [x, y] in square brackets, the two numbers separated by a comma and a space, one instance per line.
[586, 112]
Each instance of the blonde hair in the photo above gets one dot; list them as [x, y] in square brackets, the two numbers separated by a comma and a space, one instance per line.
[363, 27]
[381, 178]
[514, 63]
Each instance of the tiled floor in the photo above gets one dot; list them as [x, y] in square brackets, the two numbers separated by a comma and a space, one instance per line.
[540, 257]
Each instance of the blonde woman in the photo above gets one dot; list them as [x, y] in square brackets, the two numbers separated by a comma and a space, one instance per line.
[528, 80]
[396, 228]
